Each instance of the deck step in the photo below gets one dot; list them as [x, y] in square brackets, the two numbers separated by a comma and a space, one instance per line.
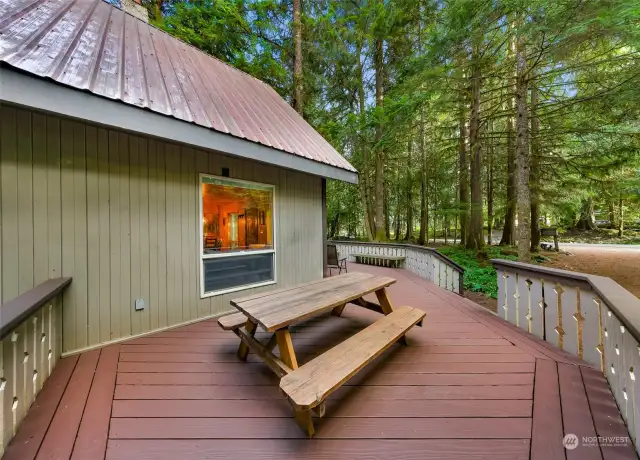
[232, 322]
[312, 383]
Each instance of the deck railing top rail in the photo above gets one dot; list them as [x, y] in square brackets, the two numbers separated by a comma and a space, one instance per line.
[16, 311]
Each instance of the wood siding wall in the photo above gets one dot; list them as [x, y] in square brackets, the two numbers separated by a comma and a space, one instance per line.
[119, 214]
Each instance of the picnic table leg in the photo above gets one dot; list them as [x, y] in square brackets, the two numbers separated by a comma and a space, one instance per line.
[338, 310]
[320, 409]
[283, 337]
[271, 343]
[387, 308]
[306, 422]
[368, 305]
[384, 301]
[243, 349]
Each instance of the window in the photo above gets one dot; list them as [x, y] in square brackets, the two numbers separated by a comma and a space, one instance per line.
[237, 241]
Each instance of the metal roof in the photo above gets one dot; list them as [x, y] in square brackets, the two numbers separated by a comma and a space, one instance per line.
[93, 46]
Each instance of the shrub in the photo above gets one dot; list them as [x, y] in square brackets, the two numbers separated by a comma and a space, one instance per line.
[479, 275]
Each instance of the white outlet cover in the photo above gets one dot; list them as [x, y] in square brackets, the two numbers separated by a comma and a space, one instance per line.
[139, 304]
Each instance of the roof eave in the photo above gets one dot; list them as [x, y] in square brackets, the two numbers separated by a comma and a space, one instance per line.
[41, 94]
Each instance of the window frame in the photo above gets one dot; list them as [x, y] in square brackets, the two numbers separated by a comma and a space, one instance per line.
[202, 256]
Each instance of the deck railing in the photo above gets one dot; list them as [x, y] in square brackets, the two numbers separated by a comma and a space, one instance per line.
[427, 263]
[589, 316]
[30, 345]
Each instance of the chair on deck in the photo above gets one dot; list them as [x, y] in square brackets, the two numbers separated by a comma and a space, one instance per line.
[333, 261]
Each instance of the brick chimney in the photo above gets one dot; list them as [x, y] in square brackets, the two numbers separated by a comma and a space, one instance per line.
[135, 8]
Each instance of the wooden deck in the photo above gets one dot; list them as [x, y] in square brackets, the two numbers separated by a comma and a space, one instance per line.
[468, 386]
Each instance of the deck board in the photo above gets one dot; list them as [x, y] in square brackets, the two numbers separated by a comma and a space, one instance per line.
[286, 428]
[59, 440]
[467, 386]
[576, 416]
[93, 433]
[404, 356]
[546, 432]
[353, 449]
[26, 443]
[335, 408]
[606, 418]
[203, 392]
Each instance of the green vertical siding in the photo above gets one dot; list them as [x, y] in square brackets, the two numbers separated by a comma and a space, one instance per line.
[119, 214]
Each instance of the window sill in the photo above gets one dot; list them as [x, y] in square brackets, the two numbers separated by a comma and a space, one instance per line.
[236, 289]
[238, 253]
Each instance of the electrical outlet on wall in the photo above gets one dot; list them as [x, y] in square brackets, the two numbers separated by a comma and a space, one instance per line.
[139, 304]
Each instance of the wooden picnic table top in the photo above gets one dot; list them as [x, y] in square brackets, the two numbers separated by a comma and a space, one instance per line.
[278, 309]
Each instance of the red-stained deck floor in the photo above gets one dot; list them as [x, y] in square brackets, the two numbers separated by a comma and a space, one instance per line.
[469, 386]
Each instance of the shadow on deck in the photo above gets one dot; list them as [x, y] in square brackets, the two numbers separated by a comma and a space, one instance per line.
[469, 386]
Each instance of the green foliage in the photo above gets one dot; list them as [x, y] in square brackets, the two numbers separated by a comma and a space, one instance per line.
[583, 59]
[479, 275]
[246, 34]
[214, 26]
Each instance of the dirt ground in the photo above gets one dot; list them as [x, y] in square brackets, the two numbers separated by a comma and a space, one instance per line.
[482, 299]
[618, 263]
[623, 266]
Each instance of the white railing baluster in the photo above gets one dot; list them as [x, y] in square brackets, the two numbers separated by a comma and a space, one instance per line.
[628, 362]
[570, 303]
[590, 327]
[537, 307]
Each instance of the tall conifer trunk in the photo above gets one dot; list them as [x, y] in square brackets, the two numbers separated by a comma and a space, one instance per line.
[381, 221]
[474, 232]
[365, 191]
[620, 217]
[298, 88]
[424, 202]
[508, 231]
[463, 178]
[422, 238]
[409, 205]
[490, 184]
[522, 154]
[534, 179]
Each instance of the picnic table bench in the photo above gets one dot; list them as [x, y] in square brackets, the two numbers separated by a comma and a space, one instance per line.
[379, 259]
[309, 385]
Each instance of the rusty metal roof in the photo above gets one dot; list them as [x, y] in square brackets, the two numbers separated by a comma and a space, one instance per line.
[93, 46]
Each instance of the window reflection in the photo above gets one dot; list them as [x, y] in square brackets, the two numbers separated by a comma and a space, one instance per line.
[237, 216]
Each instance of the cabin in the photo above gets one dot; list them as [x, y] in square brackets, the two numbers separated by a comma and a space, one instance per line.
[160, 179]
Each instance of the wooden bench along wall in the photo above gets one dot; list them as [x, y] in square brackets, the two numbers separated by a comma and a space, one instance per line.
[30, 346]
[380, 260]
[427, 263]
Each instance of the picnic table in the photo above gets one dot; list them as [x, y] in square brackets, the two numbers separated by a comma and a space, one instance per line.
[309, 385]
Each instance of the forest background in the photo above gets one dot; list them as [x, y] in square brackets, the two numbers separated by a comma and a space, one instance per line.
[465, 118]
